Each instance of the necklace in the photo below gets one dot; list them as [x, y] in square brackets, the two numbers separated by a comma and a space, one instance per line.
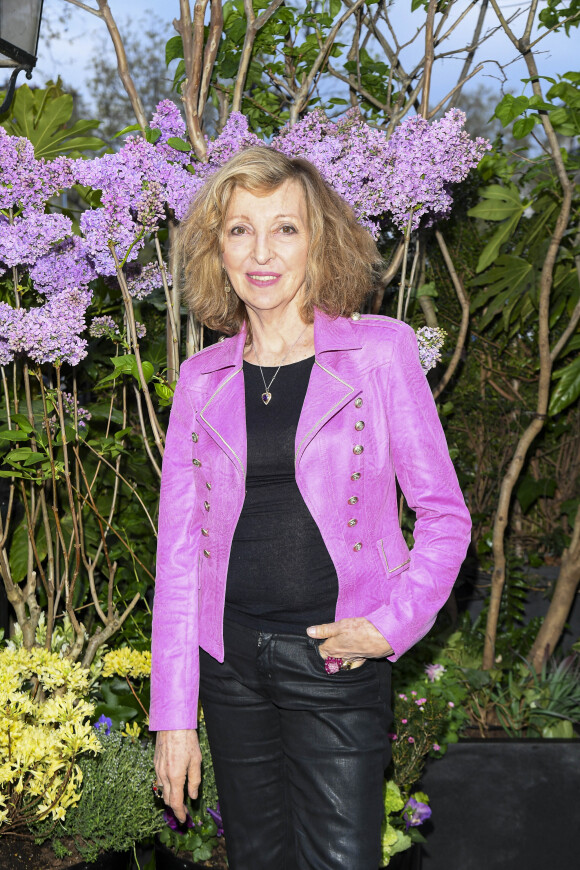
[267, 395]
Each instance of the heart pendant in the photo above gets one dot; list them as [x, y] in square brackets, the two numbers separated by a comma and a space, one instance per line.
[266, 397]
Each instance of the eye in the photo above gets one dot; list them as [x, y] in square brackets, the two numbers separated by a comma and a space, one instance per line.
[288, 229]
[237, 231]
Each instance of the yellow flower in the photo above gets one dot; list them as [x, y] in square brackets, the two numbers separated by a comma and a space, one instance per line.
[127, 662]
[131, 730]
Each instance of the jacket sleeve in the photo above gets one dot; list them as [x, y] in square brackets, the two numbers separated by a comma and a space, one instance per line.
[427, 478]
[174, 647]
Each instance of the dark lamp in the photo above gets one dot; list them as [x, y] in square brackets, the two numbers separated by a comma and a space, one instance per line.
[19, 29]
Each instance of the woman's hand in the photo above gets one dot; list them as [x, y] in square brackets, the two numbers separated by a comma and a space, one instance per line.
[177, 757]
[353, 640]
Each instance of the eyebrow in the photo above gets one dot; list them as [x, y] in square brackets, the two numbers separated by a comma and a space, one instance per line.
[245, 217]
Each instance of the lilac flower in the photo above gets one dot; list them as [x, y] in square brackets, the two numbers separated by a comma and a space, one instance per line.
[140, 329]
[142, 280]
[167, 119]
[25, 182]
[416, 812]
[82, 414]
[65, 264]
[103, 723]
[103, 326]
[51, 332]
[435, 672]
[411, 739]
[430, 341]
[180, 827]
[29, 238]
[217, 817]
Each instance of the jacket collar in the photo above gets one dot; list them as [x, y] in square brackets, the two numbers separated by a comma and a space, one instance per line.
[330, 334]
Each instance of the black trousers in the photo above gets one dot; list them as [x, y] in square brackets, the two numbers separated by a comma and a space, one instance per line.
[299, 755]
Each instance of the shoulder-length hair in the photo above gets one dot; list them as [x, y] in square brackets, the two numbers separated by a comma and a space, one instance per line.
[342, 256]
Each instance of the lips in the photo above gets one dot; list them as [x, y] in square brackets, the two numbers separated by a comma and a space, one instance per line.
[262, 279]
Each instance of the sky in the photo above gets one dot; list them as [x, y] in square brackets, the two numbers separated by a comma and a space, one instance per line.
[83, 35]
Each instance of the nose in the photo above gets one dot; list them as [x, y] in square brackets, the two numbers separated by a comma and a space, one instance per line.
[262, 249]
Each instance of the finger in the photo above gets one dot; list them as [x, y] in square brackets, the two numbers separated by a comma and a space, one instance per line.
[327, 629]
[193, 778]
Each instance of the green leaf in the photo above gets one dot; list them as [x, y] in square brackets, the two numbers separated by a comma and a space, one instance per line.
[523, 126]
[23, 422]
[567, 390]
[528, 490]
[498, 204]
[19, 551]
[18, 454]
[179, 144]
[14, 435]
[427, 290]
[148, 370]
[173, 49]
[510, 107]
[501, 235]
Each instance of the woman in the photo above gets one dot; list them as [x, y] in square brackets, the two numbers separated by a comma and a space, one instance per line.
[284, 584]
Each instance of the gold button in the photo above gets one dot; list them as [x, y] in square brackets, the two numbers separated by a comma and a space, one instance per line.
[197, 463]
[355, 476]
[205, 533]
[206, 505]
[206, 554]
[357, 546]
[357, 449]
[358, 402]
[352, 522]
[353, 499]
[355, 315]
[208, 484]
[359, 425]
[194, 437]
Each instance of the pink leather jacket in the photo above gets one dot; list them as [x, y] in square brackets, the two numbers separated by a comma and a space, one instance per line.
[368, 416]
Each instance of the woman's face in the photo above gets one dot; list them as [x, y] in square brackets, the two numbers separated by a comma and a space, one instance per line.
[265, 247]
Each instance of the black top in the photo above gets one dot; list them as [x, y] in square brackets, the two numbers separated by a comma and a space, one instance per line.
[280, 575]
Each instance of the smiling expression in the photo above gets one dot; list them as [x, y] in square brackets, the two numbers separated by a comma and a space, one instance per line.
[265, 247]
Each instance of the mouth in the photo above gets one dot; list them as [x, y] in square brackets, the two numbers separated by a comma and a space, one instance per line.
[262, 279]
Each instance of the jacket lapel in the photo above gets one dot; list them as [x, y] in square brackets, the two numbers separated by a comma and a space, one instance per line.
[223, 416]
[330, 387]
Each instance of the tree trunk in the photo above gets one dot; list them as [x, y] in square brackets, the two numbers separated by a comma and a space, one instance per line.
[566, 586]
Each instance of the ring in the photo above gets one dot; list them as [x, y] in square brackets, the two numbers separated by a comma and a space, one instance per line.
[334, 664]
[157, 789]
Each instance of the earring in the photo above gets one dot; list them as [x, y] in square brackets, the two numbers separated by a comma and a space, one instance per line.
[227, 285]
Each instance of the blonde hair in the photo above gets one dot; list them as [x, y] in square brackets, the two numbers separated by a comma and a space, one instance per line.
[342, 256]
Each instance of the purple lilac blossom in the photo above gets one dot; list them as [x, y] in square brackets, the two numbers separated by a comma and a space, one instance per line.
[142, 280]
[25, 182]
[29, 238]
[49, 333]
[68, 403]
[140, 329]
[405, 176]
[66, 264]
[434, 672]
[167, 119]
[103, 326]
[416, 812]
[103, 723]
[430, 340]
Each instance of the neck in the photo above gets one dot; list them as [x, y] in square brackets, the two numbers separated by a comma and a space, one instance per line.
[275, 337]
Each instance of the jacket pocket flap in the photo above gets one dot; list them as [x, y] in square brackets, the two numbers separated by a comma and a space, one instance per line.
[395, 553]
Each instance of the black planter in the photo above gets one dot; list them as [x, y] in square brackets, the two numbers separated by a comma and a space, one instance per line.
[503, 805]
[410, 859]
[165, 859]
[106, 861]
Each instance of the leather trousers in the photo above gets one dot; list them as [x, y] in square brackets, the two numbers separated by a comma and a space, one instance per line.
[299, 755]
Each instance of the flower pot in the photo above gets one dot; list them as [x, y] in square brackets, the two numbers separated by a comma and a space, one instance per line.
[410, 859]
[106, 861]
[165, 859]
[501, 804]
